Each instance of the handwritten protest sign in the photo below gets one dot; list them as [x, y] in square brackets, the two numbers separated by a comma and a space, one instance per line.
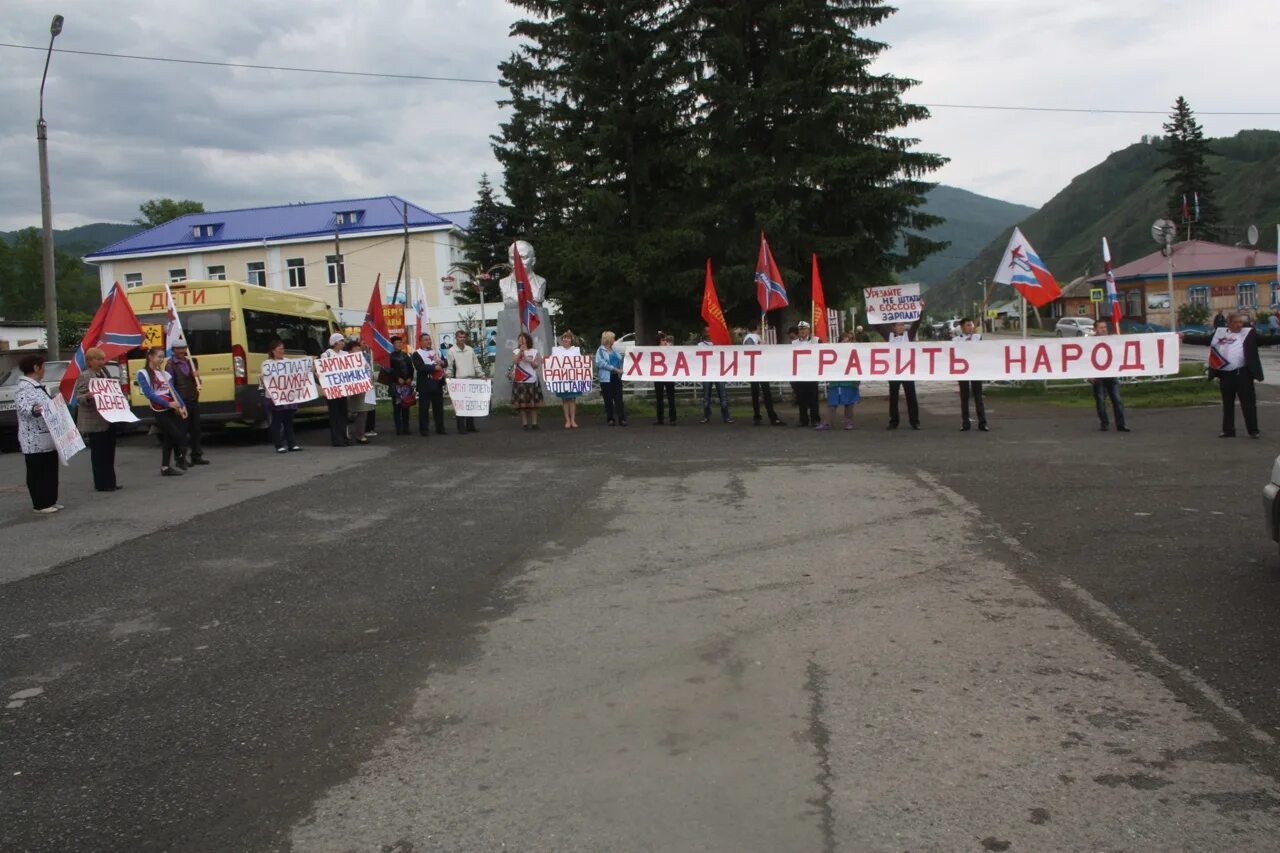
[111, 402]
[57, 417]
[568, 374]
[470, 397]
[344, 375]
[897, 304]
[289, 381]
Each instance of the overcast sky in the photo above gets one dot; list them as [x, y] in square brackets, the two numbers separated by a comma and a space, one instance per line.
[123, 131]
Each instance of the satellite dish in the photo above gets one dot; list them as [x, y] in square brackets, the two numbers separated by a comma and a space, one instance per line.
[1163, 231]
[1252, 235]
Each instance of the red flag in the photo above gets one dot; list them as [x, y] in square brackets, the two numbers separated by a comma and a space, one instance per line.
[712, 314]
[529, 319]
[770, 291]
[819, 306]
[115, 330]
[374, 332]
[1117, 314]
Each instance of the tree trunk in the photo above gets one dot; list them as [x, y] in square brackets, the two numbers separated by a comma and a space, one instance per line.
[641, 329]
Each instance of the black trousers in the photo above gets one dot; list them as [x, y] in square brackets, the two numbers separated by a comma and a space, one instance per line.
[281, 428]
[1238, 383]
[102, 458]
[464, 424]
[810, 408]
[668, 390]
[614, 408]
[400, 414]
[431, 407]
[371, 420]
[1108, 389]
[173, 435]
[758, 390]
[193, 430]
[913, 405]
[337, 421]
[972, 389]
[42, 478]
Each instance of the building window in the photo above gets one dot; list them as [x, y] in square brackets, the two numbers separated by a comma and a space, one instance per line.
[206, 230]
[337, 269]
[1275, 294]
[1247, 294]
[347, 217]
[1133, 303]
[218, 273]
[177, 275]
[297, 272]
[132, 279]
[256, 273]
[1199, 295]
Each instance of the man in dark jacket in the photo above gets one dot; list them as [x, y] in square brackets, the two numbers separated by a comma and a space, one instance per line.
[1234, 360]
[430, 366]
[399, 375]
[186, 379]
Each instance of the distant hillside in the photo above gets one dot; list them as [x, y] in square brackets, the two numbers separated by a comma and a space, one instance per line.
[1119, 199]
[86, 238]
[972, 220]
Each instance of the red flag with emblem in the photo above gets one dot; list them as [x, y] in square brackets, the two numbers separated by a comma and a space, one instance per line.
[374, 332]
[712, 314]
[819, 322]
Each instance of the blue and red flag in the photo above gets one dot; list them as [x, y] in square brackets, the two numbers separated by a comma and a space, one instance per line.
[529, 319]
[1022, 268]
[770, 291]
[374, 332]
[115, 330]
[1112, 296]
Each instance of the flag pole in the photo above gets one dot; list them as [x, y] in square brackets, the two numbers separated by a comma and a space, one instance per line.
[1024, 316]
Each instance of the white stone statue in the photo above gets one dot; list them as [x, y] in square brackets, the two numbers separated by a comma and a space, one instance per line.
[537, 284]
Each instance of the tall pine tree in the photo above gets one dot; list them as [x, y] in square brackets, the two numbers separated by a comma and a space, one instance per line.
[1190, 176]
[484, 244]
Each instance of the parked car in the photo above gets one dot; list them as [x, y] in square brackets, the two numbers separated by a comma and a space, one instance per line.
[1271, 502]
[1074, 327]
[53, 373]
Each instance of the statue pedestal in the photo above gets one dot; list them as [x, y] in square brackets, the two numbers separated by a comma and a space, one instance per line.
[505, 343]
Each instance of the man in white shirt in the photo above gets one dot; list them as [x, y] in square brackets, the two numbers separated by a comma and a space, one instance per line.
[337, 407]
[971, 389]
[752, 339]
[1234, 361]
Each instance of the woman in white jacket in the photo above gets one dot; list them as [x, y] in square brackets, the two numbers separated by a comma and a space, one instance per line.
[38, 449]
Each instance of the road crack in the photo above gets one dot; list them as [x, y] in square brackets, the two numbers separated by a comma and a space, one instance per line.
[815, 685]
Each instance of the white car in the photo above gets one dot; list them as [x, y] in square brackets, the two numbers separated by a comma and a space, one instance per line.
[1270, 504]
[1074, 327]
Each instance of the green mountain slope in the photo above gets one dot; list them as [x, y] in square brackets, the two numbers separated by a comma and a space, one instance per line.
[1119, 199]
[972, 220]
[84, 239]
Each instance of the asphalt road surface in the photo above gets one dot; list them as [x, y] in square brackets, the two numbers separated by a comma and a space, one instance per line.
[715, 637]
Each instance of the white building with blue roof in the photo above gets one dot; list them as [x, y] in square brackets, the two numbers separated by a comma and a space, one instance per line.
[292, 247]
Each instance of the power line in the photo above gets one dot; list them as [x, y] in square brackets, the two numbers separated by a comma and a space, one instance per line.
[446, 79]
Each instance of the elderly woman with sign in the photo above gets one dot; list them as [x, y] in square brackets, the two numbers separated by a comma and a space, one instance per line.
[98, 432]
[156, 384]
[38, 450]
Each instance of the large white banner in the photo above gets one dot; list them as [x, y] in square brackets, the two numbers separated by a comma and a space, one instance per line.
[470, 397]
[344, 375]
[111, 402]
[289, 380]
[1016, 358]
[568, 374]
[897, 304]
[57, 417]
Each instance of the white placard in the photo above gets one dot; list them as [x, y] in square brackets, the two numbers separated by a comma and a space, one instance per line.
[1083, 358]
[344, 375]
[568, 374]
[110, 402]
[897, 304]
[470, 397]
[57, 417]
[289, 381]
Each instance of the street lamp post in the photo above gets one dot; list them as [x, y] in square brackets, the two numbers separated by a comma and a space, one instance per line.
[46, 209]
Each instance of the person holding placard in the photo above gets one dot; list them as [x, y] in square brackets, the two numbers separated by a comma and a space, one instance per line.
[807, 392]
[430, 367]
[900, 334]
[359, 405]
[156, 385]
[466, 365]
[34, 438]
[843, 393]
[708, 387]
[609, 367]
[399, 379]
[665, 390]
[526, 386]
[337, 406]
[759, 389]
[568, 394]
[99, 433]
[971, 389]
[185, 371]
[280, 423]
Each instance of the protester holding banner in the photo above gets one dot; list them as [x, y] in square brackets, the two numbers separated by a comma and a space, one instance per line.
[609, 368]
[99, 433]
[186, 381]
[899, 334]
[280, 415]
[399, 379]
[358, 405]
[1107, 387]
[843, 393]
[1234, 361]
[526, 387]
[759, 389]
[465, 364]
[430, 366]
[707, 388]
[157, 386]
[337, 406]
[971, 389]
[807, 392]
[38, 450]
[567, 392]
[665, 389]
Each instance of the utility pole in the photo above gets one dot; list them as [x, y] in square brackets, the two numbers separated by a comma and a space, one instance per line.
[408, 275]
[338, 271]
[46, 210]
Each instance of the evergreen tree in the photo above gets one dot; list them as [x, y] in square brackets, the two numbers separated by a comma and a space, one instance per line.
[1190, 176]
[484, 244]
[798, 137]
